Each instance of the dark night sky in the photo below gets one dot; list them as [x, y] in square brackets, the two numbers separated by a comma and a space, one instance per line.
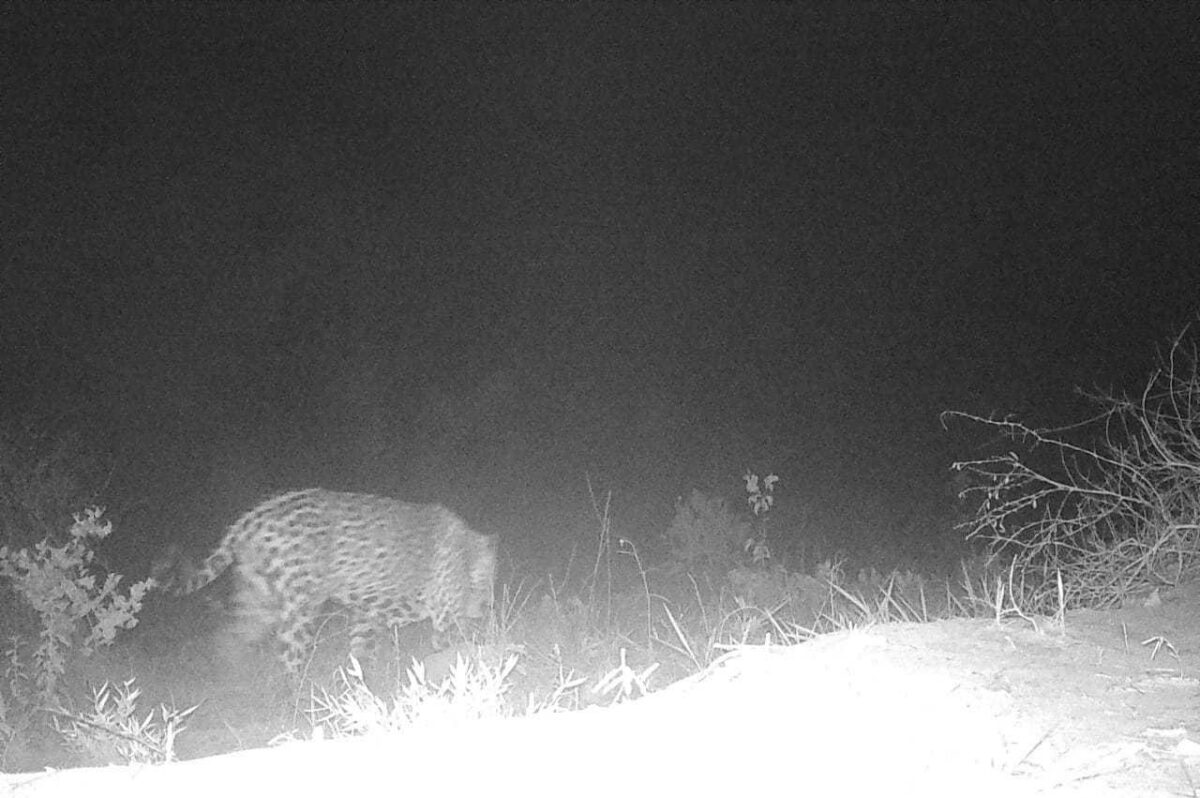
[473, 253]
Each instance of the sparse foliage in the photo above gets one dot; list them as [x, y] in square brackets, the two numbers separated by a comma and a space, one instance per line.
[75, 607]
[761, 499]
[111, 732]
[1111, 515]
[623, 682]
[472, 691]
[77, 610]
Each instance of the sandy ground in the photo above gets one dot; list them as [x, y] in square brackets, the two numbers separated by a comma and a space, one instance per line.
[1106, 704]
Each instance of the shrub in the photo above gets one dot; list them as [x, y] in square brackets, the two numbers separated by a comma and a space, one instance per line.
[75, 609]
[706, 532]
[1110, 515]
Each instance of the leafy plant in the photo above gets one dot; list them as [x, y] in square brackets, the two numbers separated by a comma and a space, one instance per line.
[761, 500]
[75, 608]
